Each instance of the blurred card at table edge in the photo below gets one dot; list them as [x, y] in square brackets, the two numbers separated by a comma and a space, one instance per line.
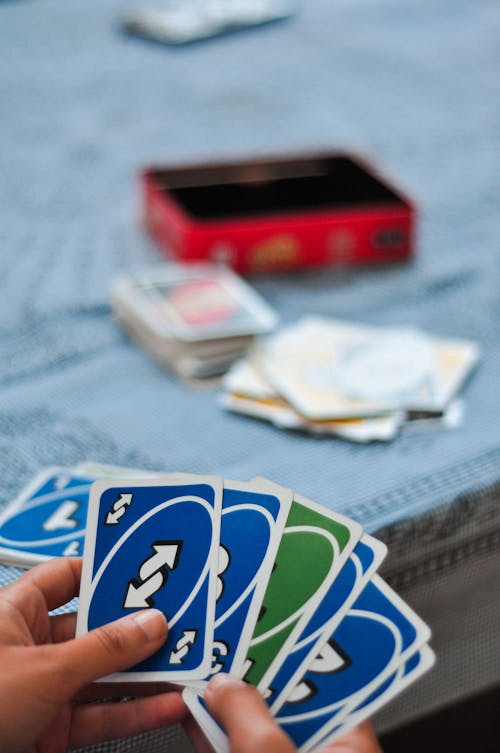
[176, 23]
[47, 518]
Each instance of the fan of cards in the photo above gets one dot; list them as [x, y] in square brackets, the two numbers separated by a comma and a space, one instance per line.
[360, 383]
[254, 580]
[195, 319]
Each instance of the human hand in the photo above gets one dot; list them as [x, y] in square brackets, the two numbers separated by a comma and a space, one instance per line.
[44, 669]
[243, 713]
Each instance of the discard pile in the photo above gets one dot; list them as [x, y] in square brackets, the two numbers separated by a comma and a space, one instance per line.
[195, 319]
[254, 580]
[360, 383]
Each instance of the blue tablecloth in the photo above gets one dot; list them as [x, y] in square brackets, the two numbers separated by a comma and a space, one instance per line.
[83, 107]
[414, 86]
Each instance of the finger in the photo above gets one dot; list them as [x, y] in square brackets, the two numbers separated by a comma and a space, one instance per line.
[108, 721]
[62, 627]
[245, 716]
[58, 580]
[40, 590]
[359, 740]
[110, 648]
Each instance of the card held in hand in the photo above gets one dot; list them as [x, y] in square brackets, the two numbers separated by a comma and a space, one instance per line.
[377, 634]
[154, 543]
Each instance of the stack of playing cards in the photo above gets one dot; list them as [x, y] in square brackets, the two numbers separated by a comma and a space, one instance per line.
[254, 580]
[195, 319]
[360, 383]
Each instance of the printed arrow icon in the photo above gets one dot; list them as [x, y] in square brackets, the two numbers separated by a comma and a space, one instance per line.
[166, 555]
[153, 574]
[182, 647]
[139, 597]
[118, 509]
[62, 517]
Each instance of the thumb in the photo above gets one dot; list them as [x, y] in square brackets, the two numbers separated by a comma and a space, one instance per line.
[243, 713]
[110, 648]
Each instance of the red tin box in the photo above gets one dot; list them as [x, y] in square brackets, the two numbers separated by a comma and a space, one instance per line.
[278, 213]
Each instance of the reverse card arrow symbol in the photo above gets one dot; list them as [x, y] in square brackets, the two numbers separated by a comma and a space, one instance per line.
[119, 508]
[72, 550]
[153, 573]
[330, 659]
[61, 481]
[62, 517]
[182, 647]
[139, 597]
[302, 692]
[166, 555]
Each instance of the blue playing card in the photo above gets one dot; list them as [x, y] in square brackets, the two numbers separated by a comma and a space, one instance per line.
[253, 517]
[376, 635]
[154, 543]
[409, 671]
[47, 519]
[421, 661]
[357, 571]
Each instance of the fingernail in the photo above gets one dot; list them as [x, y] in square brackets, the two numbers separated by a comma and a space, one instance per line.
[222, 679]
[152, 621]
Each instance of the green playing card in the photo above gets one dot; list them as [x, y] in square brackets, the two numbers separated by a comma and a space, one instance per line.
[315, 544]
